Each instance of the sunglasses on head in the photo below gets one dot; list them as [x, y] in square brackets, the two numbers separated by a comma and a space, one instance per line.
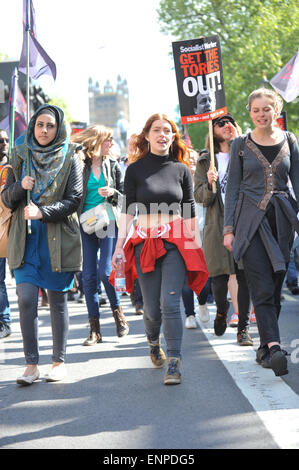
[2, 141]
[222, 123]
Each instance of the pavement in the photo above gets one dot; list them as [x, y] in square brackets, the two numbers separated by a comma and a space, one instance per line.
[114, 399]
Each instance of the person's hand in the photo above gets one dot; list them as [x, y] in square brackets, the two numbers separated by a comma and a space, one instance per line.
[118, 251]
[106, 191]
[233, 131]
[228, 241]
[212, 175]
[32, 212]
[27, 183]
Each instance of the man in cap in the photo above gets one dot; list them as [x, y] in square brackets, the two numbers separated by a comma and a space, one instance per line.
[220, 261]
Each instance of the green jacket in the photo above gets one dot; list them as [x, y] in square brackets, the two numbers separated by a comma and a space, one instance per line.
[63, 231]
[219, 260]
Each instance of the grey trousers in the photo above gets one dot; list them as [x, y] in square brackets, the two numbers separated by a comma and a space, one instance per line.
[161, 291]
[28, 308]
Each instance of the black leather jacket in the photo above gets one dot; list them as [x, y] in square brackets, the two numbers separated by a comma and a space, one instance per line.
[13, 194]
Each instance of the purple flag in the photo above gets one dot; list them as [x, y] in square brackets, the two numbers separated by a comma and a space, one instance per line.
[286, 81]
[39, 61]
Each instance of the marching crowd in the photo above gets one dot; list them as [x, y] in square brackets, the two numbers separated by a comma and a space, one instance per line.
[82, 214]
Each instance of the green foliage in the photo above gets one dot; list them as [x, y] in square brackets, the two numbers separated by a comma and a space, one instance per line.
[257, 37]
[58, 101]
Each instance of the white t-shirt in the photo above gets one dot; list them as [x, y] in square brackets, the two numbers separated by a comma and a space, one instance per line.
[223, 160]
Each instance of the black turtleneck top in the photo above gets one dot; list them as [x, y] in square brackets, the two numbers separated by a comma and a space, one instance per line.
[159, 184]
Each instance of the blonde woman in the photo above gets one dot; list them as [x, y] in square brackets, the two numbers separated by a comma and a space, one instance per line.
[260, 215]
[102, 184]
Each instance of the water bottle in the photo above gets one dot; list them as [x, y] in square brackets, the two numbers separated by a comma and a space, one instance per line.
[120, 278]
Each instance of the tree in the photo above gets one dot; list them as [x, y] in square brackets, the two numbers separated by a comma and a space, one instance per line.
[257, 39]
[61, 103]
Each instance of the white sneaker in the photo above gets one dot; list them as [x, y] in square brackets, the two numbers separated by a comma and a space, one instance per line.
[190, 322]
[203, 313]
[56, 373]
[28, 379]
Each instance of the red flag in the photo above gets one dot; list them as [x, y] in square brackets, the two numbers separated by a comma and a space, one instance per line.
[17, 100]
[286, 81]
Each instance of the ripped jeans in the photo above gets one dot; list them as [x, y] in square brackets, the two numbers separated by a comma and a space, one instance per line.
[161, 291]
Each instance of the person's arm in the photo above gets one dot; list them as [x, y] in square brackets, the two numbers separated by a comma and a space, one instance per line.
[235, 175]
[294, 169]
[203, 192]
[188, 208]
[127, 214]
[14, 192]
[57, 211]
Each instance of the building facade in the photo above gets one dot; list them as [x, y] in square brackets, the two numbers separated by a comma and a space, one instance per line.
[106, 107]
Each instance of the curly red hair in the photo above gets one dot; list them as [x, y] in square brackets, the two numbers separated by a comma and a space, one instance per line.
[139, 145]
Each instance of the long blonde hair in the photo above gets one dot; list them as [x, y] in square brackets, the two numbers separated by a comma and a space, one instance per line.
[92, 138]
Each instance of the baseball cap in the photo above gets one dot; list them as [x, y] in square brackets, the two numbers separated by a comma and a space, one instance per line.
[227, 116]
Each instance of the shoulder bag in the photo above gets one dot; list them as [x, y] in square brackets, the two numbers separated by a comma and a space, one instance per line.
[97, 217]
[5, 219]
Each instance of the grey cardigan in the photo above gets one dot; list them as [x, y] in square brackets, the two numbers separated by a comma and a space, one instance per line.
[252, 183]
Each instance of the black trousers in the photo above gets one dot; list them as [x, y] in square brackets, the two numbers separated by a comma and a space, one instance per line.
[220, 289]
[265, 289]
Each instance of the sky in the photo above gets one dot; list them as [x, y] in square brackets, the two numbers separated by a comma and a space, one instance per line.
[100, 39]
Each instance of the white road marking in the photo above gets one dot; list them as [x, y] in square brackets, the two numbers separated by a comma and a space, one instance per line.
[274, 401]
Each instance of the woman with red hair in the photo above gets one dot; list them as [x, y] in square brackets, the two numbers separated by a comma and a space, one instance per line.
[165, 243]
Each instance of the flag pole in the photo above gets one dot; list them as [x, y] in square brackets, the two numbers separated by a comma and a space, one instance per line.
[28, 95]
[212, 157]
[12, 113]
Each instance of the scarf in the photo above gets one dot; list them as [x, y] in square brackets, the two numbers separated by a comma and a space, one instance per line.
[46, 163]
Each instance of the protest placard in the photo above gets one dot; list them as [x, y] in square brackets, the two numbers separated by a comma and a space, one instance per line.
[199, 75]
[282, 121]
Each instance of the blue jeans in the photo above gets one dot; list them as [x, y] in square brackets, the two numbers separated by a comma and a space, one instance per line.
[28, 308]
[188, 300]
[91, 244]
[4, 304]
[188, 297]
[161, 291]
[292, 275]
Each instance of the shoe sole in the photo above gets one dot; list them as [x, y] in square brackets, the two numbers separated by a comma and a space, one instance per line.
[245, 343]
[92, 344]
[50, 379]
[279, 363]
[220, 333]
[21, 381]
[204, 320]
[172, 381]
[160, 364]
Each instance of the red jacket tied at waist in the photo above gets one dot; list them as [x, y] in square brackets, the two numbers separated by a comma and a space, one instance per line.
[174, 232]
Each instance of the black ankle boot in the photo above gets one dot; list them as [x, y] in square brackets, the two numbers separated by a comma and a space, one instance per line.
[278, 361]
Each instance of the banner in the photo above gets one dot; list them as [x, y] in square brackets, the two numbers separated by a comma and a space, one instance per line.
[39, 61]
[17, 103]
[199, 76]
[286, 81]
[282, 121]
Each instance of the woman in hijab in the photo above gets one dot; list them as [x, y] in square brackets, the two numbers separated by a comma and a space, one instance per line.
[46, 253]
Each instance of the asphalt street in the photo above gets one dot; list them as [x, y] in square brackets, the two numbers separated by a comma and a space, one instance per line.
[113, 398]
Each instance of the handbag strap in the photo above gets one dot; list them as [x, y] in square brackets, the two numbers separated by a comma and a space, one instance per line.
[5, 167]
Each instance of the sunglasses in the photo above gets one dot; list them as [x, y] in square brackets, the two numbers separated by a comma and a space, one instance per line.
[2, 141]
[222, 123]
